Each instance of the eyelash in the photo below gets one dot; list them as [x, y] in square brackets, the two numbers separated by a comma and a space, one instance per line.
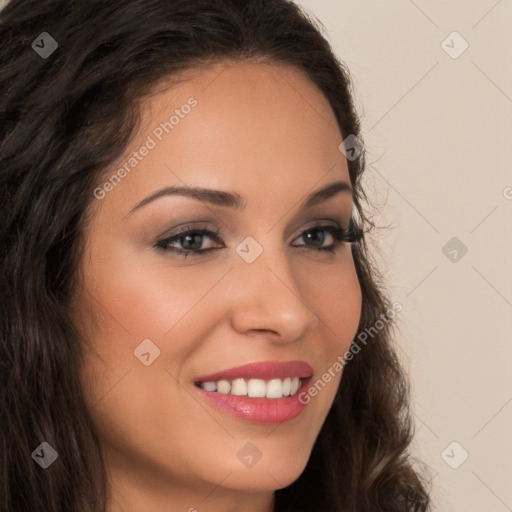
[352, 234]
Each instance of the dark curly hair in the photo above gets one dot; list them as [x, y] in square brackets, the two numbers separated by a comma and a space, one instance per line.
[64, 120]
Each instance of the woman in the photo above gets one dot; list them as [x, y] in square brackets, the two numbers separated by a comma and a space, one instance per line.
[191, 319]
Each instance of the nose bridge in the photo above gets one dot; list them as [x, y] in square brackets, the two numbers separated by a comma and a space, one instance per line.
[269, 295]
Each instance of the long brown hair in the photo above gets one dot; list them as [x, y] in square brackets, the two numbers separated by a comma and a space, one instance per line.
[67, 116]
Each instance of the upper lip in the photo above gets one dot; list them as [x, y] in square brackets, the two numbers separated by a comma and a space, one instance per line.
[264, 370]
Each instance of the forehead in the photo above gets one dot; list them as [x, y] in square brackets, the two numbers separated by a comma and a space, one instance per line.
[250, 87]
[256, 128]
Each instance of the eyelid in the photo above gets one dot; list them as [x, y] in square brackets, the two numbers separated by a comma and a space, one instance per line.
[185, 228]
[318, 223]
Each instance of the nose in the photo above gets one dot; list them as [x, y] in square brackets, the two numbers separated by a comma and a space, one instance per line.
[269, 299]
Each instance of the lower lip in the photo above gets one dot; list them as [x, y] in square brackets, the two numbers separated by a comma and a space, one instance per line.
[258, 410]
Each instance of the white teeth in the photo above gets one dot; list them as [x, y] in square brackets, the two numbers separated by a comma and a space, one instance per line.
[224, 386]
[239, 387]
[287, 383]
[294, 386]
[255, 388]
[274, 388]
[210, 386]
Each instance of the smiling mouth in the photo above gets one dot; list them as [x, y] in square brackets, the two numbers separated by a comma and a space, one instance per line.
[254, 388]
[260, 392]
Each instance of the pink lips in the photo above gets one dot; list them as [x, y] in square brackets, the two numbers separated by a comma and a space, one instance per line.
[266, 370]
[259, 410]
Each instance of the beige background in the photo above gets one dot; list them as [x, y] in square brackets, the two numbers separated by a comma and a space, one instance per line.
[438, 134]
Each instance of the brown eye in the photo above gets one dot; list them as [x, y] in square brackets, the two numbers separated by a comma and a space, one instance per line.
[191, 240]
[338, 234]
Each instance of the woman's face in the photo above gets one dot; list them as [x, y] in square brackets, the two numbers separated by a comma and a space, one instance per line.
[156, 322]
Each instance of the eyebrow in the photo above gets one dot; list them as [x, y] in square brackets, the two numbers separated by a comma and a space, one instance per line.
[234, 200]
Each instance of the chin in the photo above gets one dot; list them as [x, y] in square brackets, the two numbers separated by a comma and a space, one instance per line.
[270, 475]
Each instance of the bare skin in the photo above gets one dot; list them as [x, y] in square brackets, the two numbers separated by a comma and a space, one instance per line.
[267, 133]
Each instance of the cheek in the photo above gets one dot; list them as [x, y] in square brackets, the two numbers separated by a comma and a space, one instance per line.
[129, 298]
[336, 297]
[146, 295]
